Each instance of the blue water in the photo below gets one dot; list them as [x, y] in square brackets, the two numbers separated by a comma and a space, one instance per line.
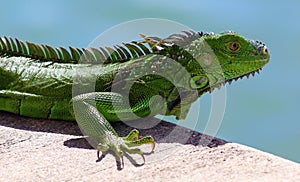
[262, 112]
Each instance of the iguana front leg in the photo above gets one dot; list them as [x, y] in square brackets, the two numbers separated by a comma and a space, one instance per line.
[92, 111]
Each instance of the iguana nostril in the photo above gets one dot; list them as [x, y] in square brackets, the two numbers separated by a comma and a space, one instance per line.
[265, 50]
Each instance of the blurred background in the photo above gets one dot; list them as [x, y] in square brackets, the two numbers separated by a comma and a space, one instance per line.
[262, 111]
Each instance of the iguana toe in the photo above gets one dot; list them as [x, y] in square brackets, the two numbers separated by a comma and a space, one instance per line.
[121, 145]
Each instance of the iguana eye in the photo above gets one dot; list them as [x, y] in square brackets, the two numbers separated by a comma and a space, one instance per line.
[234, 46]
[198, 81]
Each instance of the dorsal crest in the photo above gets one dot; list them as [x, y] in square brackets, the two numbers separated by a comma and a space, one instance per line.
[105, 55]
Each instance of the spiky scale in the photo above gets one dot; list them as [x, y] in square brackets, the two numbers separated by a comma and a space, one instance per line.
[80, 51]
[106, 55]
[188, 33]
[120, 52]
[178, 36]
[8, 44]
[13, 45]
[98, 55]
[2, 44]
[59, 55]
[40, 50]
[20, 49]
[52, 52]
[66, 55]
[142, 46]
[137, 49]
[113, 54]
[128, 56]
[32, 49]
[89, 55]
[151, 41]
[75, 54]
[46, 51]
[24, 48]
[132, 50]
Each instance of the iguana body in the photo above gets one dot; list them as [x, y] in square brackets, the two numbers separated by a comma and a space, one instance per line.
[140, 79]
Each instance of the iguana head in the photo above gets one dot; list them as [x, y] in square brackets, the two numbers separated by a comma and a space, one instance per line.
[211, 61]
[225, 57]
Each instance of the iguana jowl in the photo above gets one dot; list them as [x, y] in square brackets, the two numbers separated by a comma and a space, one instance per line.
[37, 80]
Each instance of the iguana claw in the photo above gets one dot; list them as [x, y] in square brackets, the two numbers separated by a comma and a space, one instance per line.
[121, 145]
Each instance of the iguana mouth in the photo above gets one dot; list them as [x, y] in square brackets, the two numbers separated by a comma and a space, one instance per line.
[244, 75]
[229, 81]
[265, 61]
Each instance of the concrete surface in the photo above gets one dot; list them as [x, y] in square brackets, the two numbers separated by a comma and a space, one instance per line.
[44, 150]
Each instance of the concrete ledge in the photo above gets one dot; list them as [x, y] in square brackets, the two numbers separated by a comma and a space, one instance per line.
[45, 150]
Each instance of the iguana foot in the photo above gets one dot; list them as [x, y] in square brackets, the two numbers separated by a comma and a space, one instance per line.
[121, 145]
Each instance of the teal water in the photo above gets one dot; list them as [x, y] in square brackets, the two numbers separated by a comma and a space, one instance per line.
[262, 112]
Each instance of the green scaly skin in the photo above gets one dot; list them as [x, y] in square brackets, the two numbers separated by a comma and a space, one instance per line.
[138, 79]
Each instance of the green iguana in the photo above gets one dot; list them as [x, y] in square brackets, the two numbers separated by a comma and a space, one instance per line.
[135, 80]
